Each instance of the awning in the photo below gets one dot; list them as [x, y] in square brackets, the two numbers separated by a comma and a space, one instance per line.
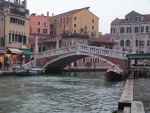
[139, 56]
[14, 50]
[26, 51]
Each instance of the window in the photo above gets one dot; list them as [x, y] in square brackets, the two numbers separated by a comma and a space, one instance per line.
[60, 19]
[67, 18]
[44, 23]
[21, 22]
[38, 23]
[122, 30]
[16, 38]
[64, 18]
[13, 37]
[38, 30]
[44, 48]
[75, 25]
[122, 43]
[142, 29]
[9, 37]
[11, 19]
[54, 20]
[128, 29]
[141, 43]
[92, 27]
[112, 30]
[92, 20]
[128, 42]
[136, 29]
[44, 30]
[147, 29]
[20, 38]
[148, 42]
[83, 60]
[136, 42]
[136, 18]
[24, 39]
[127, 19]
[39, 49]
[75, 18]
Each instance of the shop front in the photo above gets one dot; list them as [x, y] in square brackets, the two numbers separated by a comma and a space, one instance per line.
[2, 54]
[14, 53]
[26, 55]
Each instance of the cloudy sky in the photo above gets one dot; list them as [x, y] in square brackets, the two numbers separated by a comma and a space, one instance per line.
[106, 10]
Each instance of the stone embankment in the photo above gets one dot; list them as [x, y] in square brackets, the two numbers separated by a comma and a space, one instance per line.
[135, 97]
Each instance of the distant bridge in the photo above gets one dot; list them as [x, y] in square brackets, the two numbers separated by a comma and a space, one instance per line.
[57, 59]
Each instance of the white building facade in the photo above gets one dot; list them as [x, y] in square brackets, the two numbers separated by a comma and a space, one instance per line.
[132, 33]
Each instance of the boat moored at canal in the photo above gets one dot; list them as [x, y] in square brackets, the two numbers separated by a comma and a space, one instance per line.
[114, 74]
[29, 72]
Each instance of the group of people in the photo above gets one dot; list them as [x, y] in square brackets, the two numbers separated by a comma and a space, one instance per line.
[9, 62]
[88, 64]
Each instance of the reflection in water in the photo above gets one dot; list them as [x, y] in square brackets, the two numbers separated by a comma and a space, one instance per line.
[76, 92]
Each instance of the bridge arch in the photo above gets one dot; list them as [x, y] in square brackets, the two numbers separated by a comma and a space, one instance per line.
[61, 62]
[59, 58]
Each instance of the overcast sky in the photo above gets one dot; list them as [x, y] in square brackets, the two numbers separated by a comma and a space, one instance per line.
[106, 10]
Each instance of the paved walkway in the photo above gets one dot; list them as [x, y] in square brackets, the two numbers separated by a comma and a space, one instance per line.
[141, 92]
[10, 70]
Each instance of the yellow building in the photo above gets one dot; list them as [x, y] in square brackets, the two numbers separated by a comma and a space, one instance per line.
[80, 21]
[16, 22]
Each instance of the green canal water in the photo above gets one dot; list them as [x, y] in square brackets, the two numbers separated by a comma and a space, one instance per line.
[74, 92]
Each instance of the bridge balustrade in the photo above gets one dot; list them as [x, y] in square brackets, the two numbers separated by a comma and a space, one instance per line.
[82, 48]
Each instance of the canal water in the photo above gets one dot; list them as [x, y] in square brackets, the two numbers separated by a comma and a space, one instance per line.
[74, 92]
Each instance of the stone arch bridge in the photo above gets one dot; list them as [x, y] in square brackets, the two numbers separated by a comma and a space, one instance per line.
[57, 59]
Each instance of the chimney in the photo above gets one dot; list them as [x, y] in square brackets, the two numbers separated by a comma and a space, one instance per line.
[25, 4]
[52, 14]
[47, 14]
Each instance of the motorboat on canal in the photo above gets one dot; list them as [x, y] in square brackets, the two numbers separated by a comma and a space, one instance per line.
[114, 74]
[29, 72]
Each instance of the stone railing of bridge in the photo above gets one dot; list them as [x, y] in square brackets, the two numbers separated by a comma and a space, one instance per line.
[83, 48]
[91, 50]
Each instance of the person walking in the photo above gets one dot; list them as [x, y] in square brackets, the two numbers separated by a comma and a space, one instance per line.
[7, 65]
[10, 61]
[20, 61]
[0, 65]
[5, 62]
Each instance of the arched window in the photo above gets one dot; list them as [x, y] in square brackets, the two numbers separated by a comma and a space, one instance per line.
[127, 42]
[121, 42]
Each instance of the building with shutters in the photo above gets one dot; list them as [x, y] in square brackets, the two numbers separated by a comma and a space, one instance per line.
[16, 27]
[132, 33]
